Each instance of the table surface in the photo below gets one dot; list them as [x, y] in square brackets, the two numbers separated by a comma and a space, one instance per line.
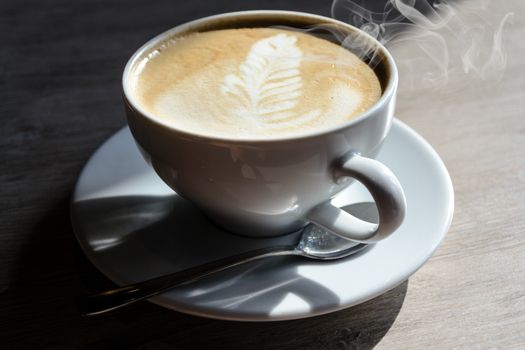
[60, 67]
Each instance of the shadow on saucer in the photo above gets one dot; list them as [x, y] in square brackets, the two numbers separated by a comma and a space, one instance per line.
[141, 237]
[135, 238]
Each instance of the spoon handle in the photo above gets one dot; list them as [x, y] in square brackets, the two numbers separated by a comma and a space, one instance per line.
[116, 298]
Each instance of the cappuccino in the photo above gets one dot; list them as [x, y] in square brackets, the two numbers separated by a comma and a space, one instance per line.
[253, 83]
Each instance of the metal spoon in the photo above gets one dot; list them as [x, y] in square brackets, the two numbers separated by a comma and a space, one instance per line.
[314, 243]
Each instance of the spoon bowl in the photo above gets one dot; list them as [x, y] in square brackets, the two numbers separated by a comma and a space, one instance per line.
[316, 243]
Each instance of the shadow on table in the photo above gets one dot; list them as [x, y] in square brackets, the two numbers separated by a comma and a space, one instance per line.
[148, 326]
[52, 270]
[360, 327]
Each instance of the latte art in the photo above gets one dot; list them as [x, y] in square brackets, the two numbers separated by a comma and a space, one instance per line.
[268, 84]
[254, 83]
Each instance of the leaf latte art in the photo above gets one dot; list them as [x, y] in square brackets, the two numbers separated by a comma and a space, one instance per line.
[256, 83]
[269, 83]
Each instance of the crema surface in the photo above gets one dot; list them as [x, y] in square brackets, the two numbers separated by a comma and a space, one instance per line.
[253, 83]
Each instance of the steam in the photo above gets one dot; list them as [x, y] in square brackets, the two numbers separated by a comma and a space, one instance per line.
[439, 34]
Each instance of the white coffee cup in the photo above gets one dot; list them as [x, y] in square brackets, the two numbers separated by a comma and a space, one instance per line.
[269, 187]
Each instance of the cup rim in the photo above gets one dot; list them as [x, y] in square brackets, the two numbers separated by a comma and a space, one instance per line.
[388, 93]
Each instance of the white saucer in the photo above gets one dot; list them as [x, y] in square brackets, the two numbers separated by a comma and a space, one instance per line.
[133, 227]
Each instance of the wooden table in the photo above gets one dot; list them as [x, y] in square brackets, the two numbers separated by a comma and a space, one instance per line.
[60, 66]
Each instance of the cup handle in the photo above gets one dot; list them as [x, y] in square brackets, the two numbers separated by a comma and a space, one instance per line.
[384, 188]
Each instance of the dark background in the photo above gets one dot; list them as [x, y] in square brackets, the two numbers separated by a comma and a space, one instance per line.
[60, 71]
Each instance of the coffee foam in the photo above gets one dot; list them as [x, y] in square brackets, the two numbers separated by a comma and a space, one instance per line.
[258, 82]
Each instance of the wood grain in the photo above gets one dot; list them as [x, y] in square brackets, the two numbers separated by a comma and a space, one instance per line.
[60, 67]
